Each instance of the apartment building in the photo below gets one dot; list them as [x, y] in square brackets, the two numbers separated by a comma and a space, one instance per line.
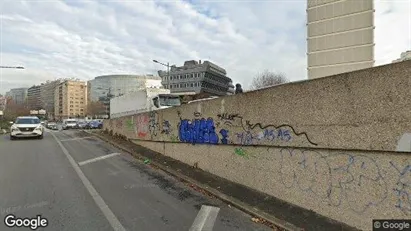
[340, 36]
[34, 98]
[70, 99]
[195, 77]
[47, 96]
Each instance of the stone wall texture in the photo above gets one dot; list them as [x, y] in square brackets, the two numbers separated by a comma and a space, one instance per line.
[339, 145]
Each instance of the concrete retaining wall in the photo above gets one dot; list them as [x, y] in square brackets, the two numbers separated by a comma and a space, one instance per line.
[339, 145]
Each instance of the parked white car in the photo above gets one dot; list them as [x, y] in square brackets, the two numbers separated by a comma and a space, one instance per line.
[27, 126]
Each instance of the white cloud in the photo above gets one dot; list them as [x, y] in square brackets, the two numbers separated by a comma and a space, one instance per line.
[392, 29]
[85, 39]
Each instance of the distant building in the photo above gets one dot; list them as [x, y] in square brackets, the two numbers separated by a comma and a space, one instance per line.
[340, 36]
[231, 88]
[47, 96]
[34, 98]
[404, 57]
[196, 77]
[70, 99]
[103, 88]
[18, 95]
[3, 103]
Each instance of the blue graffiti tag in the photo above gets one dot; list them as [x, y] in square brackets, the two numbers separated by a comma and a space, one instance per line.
[198, 131]
[403, 188]
[224, 133]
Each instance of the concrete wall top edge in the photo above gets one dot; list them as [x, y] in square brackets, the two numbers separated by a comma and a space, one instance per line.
[362, 110]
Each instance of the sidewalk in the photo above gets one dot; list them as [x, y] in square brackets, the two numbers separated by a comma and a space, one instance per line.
[267, 208]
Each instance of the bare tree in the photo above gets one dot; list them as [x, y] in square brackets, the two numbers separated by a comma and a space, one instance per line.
[13, 110]
[268, 79]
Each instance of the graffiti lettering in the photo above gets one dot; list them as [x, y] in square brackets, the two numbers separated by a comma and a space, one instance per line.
[272, 135]
[198, 131]
[142, 125]
[252, 126]
[224, 134]
[166, 127]
[226, 116]
[403, 189]
[250, 138]
[153, 123]
[334, 178]
[129, 123]
[245, 138]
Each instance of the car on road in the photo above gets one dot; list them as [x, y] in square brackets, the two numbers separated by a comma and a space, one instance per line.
[94, 124]
[52, 126]
[70, 123]
[81, 124]
[27, 126]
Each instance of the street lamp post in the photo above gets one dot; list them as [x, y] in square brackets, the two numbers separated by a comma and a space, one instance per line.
[12, 67]
[168, 71]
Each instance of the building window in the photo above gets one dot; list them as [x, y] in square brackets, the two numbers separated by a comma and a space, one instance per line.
[192, 85]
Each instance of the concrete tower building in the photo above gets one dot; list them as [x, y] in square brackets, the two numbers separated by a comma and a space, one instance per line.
[340, 36]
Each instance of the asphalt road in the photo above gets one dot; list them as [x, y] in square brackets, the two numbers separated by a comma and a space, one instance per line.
[60, 179]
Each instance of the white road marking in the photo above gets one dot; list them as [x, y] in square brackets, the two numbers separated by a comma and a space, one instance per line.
[205, 218]
[98, 158]
[78, 138]
[112, 219]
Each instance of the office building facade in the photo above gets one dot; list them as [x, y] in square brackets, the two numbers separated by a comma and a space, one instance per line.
[195, 77]
[34, 98]
[102, 88]
[70, 100]
[18, 95]
[340, 36]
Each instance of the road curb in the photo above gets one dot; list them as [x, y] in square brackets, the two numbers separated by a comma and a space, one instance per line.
[227, 199]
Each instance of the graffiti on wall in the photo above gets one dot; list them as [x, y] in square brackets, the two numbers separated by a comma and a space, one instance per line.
[335, 179]
[166, 127]
[198, 131]
[153, 126]
[202, 130]
[142, 121]
[402, 188]
[253, 134]
[130, 123]
[342, 179]
[119, 123]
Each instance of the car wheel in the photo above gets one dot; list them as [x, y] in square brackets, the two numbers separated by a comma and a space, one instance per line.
[41, 137]
[12, 138]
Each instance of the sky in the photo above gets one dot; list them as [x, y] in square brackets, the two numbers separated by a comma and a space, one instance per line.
[85, 39]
